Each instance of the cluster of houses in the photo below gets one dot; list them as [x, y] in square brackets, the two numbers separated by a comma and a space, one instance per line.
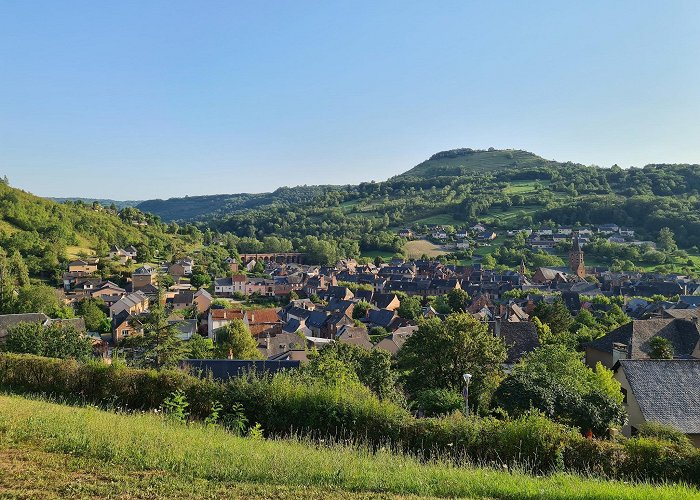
[545, 238]
[323, 310]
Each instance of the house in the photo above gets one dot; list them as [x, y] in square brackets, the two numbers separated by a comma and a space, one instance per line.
[203, 300]
[134, 303]
[547, 275]
[487, 236]
[9, 320]
[663, 391]
[125, 325]
[218, 318]
[182, 300]
[385, 301]
[279, 344]
[406, 233]
[187, 328]
[394, 342]
[608, 228]
[519, 337]
[264, 321]
[143, 277]
[107, 289]
[382, 317]
[354, 335]
[223, 287]
[261, 286]
[181, 269]
[123, 254]
[625, 231]
[86, 266]
[232, 264]
[631, 341]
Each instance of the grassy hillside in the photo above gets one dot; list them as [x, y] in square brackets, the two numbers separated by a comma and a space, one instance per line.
[53, 449]
[464, 161]
[46, 233]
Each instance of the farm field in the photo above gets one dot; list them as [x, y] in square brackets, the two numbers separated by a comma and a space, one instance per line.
[416, 248]
[51, 450]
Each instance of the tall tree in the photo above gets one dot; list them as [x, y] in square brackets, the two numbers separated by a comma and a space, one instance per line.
[234, 341]
[440, 352]
[55, 341]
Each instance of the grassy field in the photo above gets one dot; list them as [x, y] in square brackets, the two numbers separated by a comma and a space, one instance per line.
[440, 219]
[51, 450]
[416, 248]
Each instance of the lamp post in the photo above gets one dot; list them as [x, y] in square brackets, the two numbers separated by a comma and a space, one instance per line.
[465, 392]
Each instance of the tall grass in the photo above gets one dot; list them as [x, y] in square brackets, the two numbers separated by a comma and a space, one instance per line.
[150, 442]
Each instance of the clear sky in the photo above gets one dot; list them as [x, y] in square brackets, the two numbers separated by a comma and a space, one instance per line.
[144, 99]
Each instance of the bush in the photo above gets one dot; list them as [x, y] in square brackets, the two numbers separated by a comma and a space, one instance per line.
[434, 402]
[295, 404]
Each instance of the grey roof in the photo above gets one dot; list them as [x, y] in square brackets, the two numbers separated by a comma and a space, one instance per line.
[381, 317]
[520, 338]
[683, 334]
[8, 320]
[667, 391]
[223, 282]
[145, 270]
[77, 323]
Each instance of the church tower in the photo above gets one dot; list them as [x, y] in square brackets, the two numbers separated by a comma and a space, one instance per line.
[576, 264]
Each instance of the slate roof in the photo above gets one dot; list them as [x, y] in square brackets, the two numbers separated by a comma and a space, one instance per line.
[520, 338]
[381, 317]
[355, 335]
[683, 334]
[668, 391]
[8, 320]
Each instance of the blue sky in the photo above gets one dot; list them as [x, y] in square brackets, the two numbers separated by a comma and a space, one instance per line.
[135, 100]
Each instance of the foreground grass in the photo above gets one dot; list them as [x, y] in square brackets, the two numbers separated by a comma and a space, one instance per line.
[200, 462]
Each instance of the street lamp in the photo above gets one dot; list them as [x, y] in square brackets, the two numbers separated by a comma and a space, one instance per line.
[465, 392]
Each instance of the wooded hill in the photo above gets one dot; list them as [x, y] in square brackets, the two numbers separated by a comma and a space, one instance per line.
[46, 233]
[504, 188]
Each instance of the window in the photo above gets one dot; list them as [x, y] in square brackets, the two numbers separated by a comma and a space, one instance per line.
[624, 395]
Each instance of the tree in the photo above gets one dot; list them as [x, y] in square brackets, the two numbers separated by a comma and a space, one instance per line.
[234, 341]
[666, 240]
[458, 300]
[661, 348]
[339, 360]
[165, 280]
[160, 346]
[91, 310]
[199, 347]
[360, 309]
[555, 381]
[556, 315]
[199, 280]
[55, 341]
[410, 308]
[438, 354]
[40, 298]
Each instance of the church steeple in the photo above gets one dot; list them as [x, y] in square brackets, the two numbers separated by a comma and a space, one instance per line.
[522, 269]
[576, 264]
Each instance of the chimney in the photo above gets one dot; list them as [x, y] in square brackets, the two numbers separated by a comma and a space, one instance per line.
[619, 352]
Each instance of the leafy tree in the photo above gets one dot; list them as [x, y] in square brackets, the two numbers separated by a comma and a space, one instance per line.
[41, 298]
[555, 315]
[165, 280]
[360, 309]
[160, 346]
[438, 354]
[199, 280]
[410, 308]
[55, 341]
[458, 300]
[234, 341]
[436, 402]
[92, 311]
[661, 348]
[259, 267]
[555, 381]
[338, 361]
[666, 240]
[199, 347]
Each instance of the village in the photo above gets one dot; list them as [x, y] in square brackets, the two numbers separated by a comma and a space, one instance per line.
[296, 308]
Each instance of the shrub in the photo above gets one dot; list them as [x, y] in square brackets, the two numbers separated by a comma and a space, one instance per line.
[434, 402]
[289, 403]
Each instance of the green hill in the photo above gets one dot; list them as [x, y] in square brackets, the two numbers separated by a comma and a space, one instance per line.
[463, 161]
[46, 233]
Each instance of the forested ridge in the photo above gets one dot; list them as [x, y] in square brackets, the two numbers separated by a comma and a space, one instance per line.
[508, 189]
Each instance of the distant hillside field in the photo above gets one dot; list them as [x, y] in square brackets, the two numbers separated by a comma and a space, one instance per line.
[51, 450]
